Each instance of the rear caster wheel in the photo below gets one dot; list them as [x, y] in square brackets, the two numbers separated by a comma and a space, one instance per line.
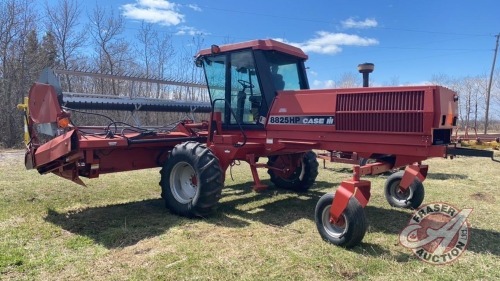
[349, 230]
[412, 198]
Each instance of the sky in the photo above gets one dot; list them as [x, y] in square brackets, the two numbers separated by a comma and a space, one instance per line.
[408, 41]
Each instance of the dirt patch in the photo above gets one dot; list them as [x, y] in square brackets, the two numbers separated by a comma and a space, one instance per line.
[483, 197]
[11, 155]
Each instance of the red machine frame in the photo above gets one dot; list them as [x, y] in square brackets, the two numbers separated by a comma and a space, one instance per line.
[395, 126]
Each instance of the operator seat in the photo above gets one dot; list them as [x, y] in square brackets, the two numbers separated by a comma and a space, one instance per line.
[278, 82]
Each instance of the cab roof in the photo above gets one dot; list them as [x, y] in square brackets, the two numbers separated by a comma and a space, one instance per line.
[267, 44]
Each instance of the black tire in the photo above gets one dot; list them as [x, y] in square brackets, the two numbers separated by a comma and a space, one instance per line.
[301, 179]
[364, 161]
[191, 180]
[353, 228]
[411, 199]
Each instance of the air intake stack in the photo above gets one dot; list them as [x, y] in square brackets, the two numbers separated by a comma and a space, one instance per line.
[366, 68]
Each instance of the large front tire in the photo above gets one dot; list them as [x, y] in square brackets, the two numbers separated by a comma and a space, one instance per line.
[302, 177]
[349, 230]
[412, 198]
[191, 180]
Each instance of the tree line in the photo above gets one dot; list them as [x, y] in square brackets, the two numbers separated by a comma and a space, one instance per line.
[63, 36]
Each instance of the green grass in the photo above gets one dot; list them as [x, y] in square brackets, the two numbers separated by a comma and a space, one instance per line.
[117, 228]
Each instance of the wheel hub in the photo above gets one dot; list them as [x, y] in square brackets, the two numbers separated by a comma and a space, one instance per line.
[290, 168]
[183, 182]
[399, 194]
[334, 229]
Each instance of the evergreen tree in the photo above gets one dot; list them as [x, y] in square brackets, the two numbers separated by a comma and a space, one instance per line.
[32, 61]
[48, 50]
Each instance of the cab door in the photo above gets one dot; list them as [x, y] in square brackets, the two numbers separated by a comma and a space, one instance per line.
[235, 89]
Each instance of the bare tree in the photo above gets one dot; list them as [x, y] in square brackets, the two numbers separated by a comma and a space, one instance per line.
[17, 20]
[163, 54]
[63, 22]
[156, 51]
[495, 100]
[186, 70]
[442, 79]
[471, 91]
[349, 80]
[146, 35]
[394, 81]
[112, 50]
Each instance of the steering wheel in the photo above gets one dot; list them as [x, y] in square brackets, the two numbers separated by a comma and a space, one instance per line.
[245, 84]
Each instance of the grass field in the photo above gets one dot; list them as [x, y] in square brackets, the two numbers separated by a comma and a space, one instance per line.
[118, 229]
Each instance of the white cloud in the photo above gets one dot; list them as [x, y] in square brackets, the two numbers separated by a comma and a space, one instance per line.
[194, 7]
[160, 4]
[326, 84]
[330, 43]
[420, 83]
[352, 23]
[189, 30]
[329, 84]
[317, 83]
[154, 11]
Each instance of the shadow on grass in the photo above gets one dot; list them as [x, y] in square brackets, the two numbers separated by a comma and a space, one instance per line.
[126, 224]
[265, 207]
[445, 176]
[348, 171]
[340, 170]
[117, 225]
[374, 250]
[434, 176]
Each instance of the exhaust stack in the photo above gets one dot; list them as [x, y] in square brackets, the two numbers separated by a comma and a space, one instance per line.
[366, 68]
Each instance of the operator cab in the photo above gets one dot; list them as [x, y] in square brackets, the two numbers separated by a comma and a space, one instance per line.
[243, 79]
